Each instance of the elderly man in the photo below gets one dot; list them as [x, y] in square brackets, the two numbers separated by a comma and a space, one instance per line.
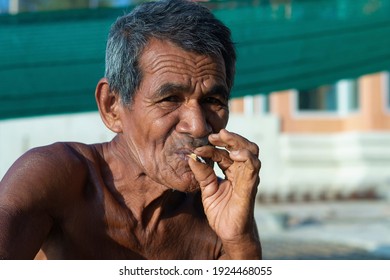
[145, 195]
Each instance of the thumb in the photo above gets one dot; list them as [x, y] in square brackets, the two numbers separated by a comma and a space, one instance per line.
[205, 176]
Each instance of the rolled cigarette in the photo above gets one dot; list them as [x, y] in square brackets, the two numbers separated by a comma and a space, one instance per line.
[197, 158]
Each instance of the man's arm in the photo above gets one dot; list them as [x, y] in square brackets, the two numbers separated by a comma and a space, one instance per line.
[22, 233]
[30, 195]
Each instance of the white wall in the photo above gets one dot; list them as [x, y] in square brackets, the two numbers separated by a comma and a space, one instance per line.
[19, 135]
[336, 164]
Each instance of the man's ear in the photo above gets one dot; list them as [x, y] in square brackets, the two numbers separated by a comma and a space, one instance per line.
[109, 106]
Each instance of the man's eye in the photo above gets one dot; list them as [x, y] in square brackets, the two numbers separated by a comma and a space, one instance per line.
[214, 101]
[172, 98]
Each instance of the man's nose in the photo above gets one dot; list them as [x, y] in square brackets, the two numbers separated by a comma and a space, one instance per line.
[193, 121]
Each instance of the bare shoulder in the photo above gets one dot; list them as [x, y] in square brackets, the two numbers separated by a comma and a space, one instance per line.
[39, 189]
[46, 172]
[58, 159]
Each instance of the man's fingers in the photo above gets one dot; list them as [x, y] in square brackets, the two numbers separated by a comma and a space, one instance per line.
[251, 162]
[239, 162]
[219, 156]
[232, 141]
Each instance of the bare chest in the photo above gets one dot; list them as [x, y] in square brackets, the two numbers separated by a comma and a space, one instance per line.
[106, 230]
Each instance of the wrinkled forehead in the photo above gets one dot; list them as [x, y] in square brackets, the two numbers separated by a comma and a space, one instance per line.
[161, 56]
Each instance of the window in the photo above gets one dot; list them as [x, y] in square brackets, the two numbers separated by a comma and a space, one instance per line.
[340, 98]
[322, 98]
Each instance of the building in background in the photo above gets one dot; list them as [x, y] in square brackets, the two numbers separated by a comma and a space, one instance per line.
[333, 141]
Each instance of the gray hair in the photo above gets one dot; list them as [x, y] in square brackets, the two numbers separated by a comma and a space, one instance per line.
[187, 24]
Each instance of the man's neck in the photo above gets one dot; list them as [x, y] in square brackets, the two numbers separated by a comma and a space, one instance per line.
[146, 198]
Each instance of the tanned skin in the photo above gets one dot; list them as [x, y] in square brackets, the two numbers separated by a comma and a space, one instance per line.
[140, 196]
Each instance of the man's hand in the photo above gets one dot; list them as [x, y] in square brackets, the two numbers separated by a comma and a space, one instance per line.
[229, 204]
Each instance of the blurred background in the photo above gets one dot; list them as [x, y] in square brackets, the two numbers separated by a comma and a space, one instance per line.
[312, 90]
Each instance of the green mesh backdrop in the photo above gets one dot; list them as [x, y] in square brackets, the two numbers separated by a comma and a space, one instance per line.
[50, 62]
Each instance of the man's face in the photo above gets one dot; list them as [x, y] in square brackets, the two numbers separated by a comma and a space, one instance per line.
[183, 97]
